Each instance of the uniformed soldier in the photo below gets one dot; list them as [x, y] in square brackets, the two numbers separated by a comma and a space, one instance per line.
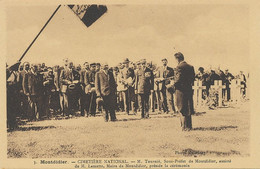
[144, 85]
[127, 79]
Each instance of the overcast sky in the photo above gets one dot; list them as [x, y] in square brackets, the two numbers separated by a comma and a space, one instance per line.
[206, 35]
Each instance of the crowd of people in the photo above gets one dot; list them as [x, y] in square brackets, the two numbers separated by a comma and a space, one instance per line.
[36, 91]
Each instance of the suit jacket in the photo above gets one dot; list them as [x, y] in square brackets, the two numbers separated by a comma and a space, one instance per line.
[164, 73]
[212, 77]
[203, 77]
[48, 83]
[89, 80]
[105, 83]
[184, 79]
[33, 84]
[21, 75]
[67, 76]
[144, 81]
[57, 79]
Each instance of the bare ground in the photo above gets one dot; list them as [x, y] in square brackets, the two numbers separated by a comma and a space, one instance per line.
[221, 132]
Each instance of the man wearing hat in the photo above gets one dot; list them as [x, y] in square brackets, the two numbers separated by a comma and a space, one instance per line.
[83, 99]
[57, 95]
[33, 88]
[106, 91]
[97, 67]
[184, 79]
[227, 81]
[23, 98]
[164, 77]
[67, 77]
[49, 90]
[90, 90]
[144, 85]
[203, 76]
[127, 75]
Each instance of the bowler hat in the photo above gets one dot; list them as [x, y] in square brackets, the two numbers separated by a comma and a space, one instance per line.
[164, 59]
[126, 61]
[93, 64]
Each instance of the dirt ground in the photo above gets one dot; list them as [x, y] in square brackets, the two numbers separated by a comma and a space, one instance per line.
[221, 132]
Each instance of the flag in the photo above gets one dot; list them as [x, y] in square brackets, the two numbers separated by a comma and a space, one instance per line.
[88, 14]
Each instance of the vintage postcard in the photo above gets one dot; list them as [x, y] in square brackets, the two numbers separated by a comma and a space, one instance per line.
[130, 84]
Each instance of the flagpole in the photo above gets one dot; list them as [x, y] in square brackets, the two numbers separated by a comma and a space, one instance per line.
[39, 33]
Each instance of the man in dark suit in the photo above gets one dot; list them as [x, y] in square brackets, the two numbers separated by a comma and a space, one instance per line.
[49, 91]
[90, 90]
[227, 81]
[67, 77]
[106, 90]
[144, 86]
[23, 98]
[164, 76]
[184, 79]
[33, 88]
[83, 98]
[58, 100]
[12, 93]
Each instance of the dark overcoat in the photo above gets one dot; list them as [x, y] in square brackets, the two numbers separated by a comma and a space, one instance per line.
[184, 79]
[144, 81]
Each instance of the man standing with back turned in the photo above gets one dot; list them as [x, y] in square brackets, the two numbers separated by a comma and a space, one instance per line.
[183, 91]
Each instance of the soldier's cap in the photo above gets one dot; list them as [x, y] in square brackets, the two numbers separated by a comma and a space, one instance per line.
[164, 59]
[93, 64]
[126, 61]
[104, 63]
[138, 63]
[34, 65]
[143, 61]
[66, 60]
[98, 64]
[26, 63]
[201, 68]
[49, 68]
[226, 69]
[115, 68]
[85, 63]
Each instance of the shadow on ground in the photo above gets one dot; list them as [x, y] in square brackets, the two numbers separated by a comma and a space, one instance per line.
[191, 152]
[199, 113]
[214, 128]
[34, 128]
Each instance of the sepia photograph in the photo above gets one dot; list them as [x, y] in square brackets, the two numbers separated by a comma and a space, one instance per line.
[155, 83]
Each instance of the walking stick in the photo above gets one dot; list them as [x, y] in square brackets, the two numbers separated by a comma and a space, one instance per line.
[91, 98]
